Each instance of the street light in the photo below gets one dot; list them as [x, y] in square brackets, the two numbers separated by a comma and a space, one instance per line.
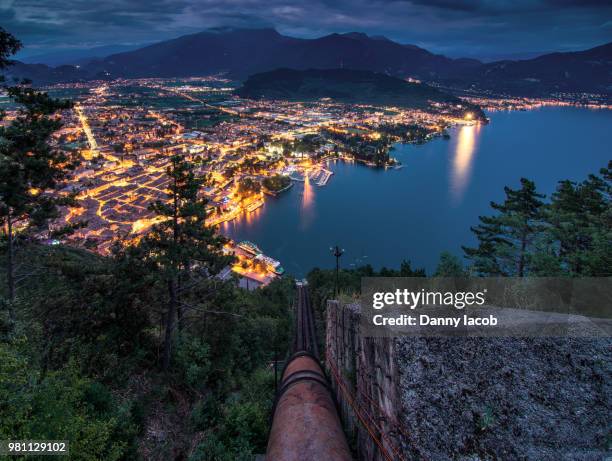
[337, 252]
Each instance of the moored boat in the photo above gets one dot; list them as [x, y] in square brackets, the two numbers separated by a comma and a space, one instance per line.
[249, 247]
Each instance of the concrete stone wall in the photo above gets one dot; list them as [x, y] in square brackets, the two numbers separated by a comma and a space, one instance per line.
[365, 380]
[536, 399]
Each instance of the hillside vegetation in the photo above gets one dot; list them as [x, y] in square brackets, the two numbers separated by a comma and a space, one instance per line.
[81, 362]
[347, 86]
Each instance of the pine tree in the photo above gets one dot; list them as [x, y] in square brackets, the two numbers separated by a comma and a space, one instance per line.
[9, 45]
[406, 270]
[30, 168]
[449, 266]
[181, 244]
[579, 220]
[505, 241]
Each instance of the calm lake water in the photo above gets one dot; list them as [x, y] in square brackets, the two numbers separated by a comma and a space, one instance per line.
[381, 217]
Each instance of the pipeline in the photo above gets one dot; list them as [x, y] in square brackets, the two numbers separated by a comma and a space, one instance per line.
[305, 425]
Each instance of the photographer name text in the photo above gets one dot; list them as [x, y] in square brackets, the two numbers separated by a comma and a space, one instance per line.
[424, 320]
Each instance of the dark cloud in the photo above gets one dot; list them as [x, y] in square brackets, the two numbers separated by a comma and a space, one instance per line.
[580, 3]
[474, 5]
[455, 27]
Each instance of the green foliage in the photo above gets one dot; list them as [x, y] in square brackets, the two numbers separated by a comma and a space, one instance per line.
[579, 227]
[206, 413]
[362, 147]
[405, 270]
[61, 405]
[321, 281]
[182, 238]
[505, 241]
[256, 326]
[248, 186]
[449, 266]
[307, 144]
[242, 428]
[9, 45]
[30, 168]
[406, 132]
[181, 246]
[570, 235]
[246, 424]
[485, 419]
[211, 449]
[99, 397]
[93, 310]
[92, 333]
[276, 183]
[193, 361]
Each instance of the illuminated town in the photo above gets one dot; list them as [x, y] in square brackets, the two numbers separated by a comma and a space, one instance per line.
[125, 132]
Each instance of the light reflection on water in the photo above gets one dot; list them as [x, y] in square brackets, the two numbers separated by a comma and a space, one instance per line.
[307, 211]
[224, 227]
[467, 137]
[251, 216]
[427, 206]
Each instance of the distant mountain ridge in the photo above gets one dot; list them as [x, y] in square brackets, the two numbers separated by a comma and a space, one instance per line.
[589, 70]
[78, 56]
[242, 52]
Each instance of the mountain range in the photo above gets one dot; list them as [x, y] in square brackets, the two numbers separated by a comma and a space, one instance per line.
[242, 52]
[76, 56]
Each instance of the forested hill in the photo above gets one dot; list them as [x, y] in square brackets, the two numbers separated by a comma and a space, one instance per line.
[348, 86]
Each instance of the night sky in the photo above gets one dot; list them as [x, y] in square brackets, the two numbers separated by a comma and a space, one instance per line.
[472, 28]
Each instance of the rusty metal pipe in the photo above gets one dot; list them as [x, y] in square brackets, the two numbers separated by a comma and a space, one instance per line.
[306, 426]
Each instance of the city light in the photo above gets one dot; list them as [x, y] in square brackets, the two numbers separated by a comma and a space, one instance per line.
[125, 150]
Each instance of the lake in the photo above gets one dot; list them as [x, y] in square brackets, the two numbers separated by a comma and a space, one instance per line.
[381, 217]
